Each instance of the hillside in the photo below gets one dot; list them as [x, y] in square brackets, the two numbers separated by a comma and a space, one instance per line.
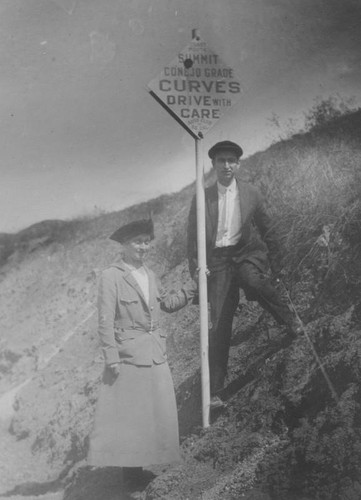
[291, 429]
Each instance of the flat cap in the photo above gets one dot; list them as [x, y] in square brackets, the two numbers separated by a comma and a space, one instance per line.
[133, 229]
[225, 146]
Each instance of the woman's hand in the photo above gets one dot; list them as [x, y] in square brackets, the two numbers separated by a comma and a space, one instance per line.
[115, 369]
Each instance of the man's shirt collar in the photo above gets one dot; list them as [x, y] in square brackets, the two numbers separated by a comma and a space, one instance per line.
[232, 187]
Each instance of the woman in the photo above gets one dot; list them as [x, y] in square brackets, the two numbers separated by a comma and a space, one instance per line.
[136, 420]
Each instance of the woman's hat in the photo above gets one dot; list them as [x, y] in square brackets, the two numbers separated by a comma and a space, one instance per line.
[133, 229]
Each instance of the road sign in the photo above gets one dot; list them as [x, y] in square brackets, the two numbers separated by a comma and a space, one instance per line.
[196, 88]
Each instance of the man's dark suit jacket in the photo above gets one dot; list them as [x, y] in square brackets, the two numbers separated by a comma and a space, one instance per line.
[254, 215]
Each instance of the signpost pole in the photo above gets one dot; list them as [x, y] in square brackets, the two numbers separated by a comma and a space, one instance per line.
[202, 280]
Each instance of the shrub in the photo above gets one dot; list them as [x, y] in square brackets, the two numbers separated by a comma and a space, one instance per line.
[327, 110]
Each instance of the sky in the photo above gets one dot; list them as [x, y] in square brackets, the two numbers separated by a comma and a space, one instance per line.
[80, 133]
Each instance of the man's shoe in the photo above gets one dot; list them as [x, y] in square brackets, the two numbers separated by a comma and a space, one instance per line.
[216, 402]
[295, 328]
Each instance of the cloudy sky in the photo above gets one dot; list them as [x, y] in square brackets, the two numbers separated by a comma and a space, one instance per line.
[79, 131]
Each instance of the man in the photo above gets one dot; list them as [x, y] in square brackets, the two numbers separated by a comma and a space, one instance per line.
[236, 256]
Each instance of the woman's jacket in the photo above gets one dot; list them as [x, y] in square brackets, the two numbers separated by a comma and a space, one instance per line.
[129, 327]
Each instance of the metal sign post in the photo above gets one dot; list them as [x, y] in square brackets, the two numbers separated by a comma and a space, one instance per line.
[196, 88]
[202, 285]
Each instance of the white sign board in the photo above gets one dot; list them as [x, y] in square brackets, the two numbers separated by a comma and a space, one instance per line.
[196, 88]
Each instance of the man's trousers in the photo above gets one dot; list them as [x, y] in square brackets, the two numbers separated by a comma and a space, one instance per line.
[227, 276]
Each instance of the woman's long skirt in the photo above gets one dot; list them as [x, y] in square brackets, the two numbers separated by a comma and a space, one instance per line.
[136, 422]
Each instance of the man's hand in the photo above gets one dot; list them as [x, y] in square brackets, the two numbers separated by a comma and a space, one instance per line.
[195, 300]
[195, 277]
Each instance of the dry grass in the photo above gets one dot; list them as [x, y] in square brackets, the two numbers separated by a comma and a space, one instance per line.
[312, 184]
